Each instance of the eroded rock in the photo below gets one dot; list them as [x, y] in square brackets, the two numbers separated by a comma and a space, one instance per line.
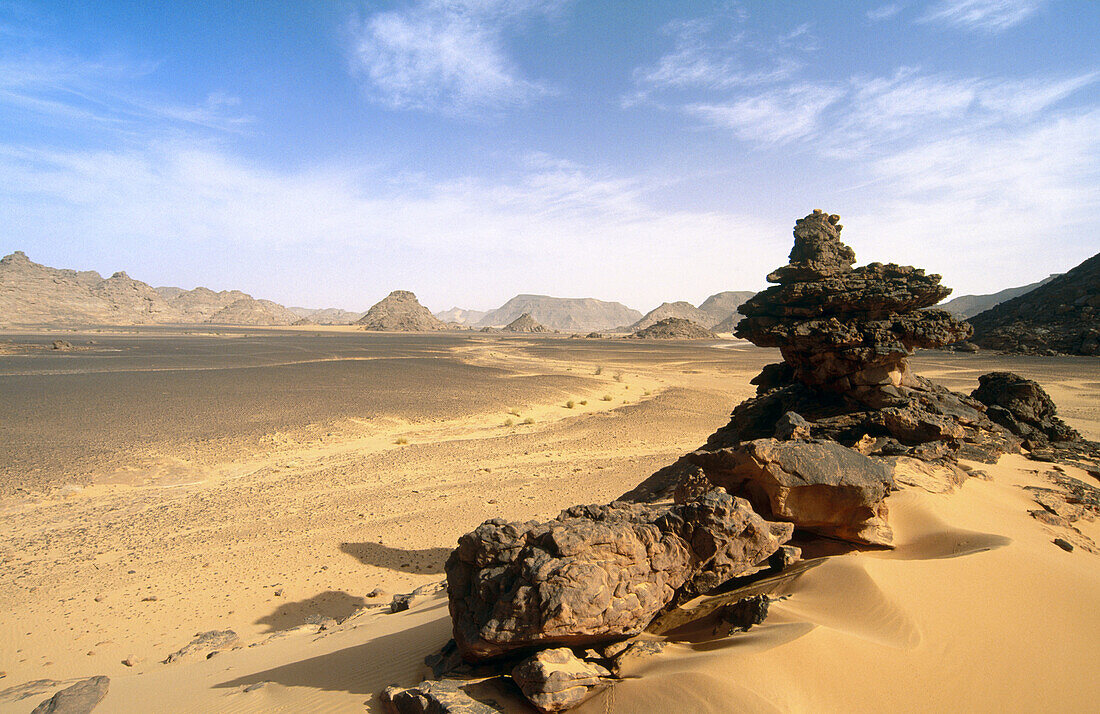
[556, 679]
[596, 573]
[80, 698]
[444, 696]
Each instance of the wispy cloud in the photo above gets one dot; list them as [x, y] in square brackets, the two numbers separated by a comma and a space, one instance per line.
[65, 89]
[983, 15]
[884, 12]
[772, 117]
[446, 55]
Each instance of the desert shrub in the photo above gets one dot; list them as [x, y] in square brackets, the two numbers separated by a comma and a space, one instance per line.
[584, 402]
[570, 404]
[514, 412]
[401, 440]
[509, 422]
[618, 376]
[529, 420]
[599, 371]
[606, 398]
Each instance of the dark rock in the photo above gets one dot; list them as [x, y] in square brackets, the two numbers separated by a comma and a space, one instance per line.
[674, 328]
[596, 573]
[1021, 406]
[1064, 544]
[1061, 316]
[743, 614]
[61, 345]
[792, 426]
[444, 696]
[80, 698]
[554, 680]
[819, 486]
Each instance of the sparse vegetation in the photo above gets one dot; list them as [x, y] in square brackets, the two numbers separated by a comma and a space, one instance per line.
[514, 412]
[607, 398]
[529, 420]
[401, 440]
[584, 402]
[599, 371]
[570, 404]
[618, 376]
[509, 422]
[646, 393]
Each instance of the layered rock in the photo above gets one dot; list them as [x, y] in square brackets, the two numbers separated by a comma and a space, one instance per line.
[400, 312]
[556, 679]
[674, 328]
[838, 326]
[1062, 316]
[596, 573]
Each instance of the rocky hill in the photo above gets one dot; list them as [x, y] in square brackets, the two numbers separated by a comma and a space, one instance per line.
[460, 316]
[674, 328]
[568, 314]
[680, 309]
[967, 306]
[400, 312]
[1061, 316]
[31, 294]
[327, 316]
[525, 323]
[722, 305]
[34, 294]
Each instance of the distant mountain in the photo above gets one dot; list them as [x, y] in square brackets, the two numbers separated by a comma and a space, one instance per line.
[673, 328]
[569, 314]
[34, 294]
[327, 316]
[525, 323]
[729, 324]
[31, 293]
[1061, 316]
[721, 305]
[681, 309]
[400, 311]
[461, 316]
[967, 306]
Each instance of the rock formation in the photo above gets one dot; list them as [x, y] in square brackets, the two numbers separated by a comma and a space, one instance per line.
[723, 305]
[400, 312]
[461, 316]
[596, 573]
[682, 310]
[327, 316]
[556, 679]
[566, 314]
[79, 698]
[674, 328]
[1062, 316]
[249, 311]
[525, 323]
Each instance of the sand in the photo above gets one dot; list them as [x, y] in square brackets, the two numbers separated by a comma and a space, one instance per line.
[282, 516]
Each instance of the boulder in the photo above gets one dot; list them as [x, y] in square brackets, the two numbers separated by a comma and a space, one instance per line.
[819, 486]
[80, 698]
[443, 696]
[554, 680]
[1021, 406]
[596, 573]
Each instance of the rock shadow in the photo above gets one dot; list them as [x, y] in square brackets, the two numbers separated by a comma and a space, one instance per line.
[334, 604]
[426, 561]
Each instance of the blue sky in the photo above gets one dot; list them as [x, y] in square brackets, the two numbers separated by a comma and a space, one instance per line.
[323, 154]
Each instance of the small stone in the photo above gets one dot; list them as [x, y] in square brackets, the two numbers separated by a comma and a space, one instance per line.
[130, 661]
[1064, 544]
[149, 598]
[279, 592]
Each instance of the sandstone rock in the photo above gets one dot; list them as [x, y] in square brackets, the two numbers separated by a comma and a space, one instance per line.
[444, 696]
[629, 653]
[80, 698]
[673, 328]
[1021, 406]
[819, 486]
[400, 312]
[555, 679]
[596, 573]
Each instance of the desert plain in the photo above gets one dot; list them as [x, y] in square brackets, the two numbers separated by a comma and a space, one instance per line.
[157, 483]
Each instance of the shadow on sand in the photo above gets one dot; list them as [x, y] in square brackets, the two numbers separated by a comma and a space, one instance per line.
[427, 561]
[334, 604]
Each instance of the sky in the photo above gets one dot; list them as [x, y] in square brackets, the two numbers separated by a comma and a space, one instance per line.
[325, 153]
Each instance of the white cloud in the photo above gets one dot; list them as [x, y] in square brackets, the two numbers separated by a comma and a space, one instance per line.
[884, 12]
[985, 15]
[445, 55]
[771, 117]
[553, 226]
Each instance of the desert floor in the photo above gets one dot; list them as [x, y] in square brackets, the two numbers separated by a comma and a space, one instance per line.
[159, 483]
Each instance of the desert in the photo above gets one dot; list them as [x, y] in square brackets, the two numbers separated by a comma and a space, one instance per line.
[516, 357]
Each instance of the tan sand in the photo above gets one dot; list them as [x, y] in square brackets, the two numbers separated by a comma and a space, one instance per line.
[975, 611]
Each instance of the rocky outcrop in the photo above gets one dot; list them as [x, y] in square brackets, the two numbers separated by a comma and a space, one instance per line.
[249, 311]
[840, 327]
[722, 306]
[444, 696]
[1062, 316]
[674, 328]
[525, 323]
[819, 486]
[554, 680]
[566, 314]
[400, 312]
[80, 698]
[596, 573]
[326, 316]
